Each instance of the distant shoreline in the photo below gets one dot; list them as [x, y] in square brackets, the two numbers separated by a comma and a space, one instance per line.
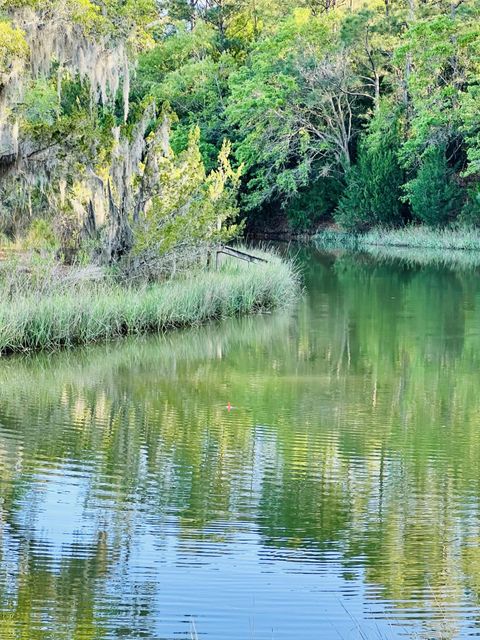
[457, 248]
[411, 237]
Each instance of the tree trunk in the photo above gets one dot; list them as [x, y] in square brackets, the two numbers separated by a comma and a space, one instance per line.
[411, 10]
[377, 92]
[120, 236]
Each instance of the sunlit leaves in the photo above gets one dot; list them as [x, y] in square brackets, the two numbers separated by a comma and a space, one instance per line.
[12, 45]
[188, 206]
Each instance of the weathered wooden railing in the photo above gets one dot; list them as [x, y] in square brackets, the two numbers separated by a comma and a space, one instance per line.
[236, 253]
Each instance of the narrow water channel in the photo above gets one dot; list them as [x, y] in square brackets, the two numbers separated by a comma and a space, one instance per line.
[310, 474]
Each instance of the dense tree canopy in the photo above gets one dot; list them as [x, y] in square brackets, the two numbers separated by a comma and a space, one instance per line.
[331, 110]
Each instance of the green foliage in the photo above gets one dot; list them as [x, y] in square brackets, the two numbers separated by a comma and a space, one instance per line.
[373, 186]
[12, 45]
[433, 194]
[370, 37]
[189, 206]
[115, 18]
[41, 236]
[40, 104]
[442, 52]
[273, 101]
[88, 15]
[470, 128]
[177, 47]
[313, 204]
[187, 71]
[316, 98]
[470, 214]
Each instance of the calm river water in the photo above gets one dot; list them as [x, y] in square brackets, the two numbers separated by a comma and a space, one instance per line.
[338, 498]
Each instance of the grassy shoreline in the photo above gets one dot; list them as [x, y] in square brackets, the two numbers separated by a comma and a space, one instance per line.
[409, 237]
[102, 310]
[419, 246]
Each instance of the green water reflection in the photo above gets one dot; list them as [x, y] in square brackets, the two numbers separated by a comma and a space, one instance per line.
[342, 488]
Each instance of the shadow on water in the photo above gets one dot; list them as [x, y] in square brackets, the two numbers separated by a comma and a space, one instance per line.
[339, 497]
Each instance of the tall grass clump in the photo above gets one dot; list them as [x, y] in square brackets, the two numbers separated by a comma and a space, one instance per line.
[94, 309]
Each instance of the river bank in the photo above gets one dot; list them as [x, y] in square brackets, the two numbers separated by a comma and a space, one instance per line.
[417, 246]
[410, 236]
[67, 312]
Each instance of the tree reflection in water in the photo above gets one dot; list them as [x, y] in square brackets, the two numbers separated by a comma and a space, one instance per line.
[352, 455]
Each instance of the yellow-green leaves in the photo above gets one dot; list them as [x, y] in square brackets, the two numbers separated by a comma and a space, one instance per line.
[88, 15]
[12, 45]
[188, 207]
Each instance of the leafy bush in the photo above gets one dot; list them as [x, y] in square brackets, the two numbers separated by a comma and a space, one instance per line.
[40, 103]
[434, 196]
[372, 194]
[187, 207]
[470, 214]
[12, 44]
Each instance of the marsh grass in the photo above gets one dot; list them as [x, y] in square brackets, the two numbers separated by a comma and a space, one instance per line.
[453, 259]
[410, 236]
[64, 313]
[454, 248]
[422, 237]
